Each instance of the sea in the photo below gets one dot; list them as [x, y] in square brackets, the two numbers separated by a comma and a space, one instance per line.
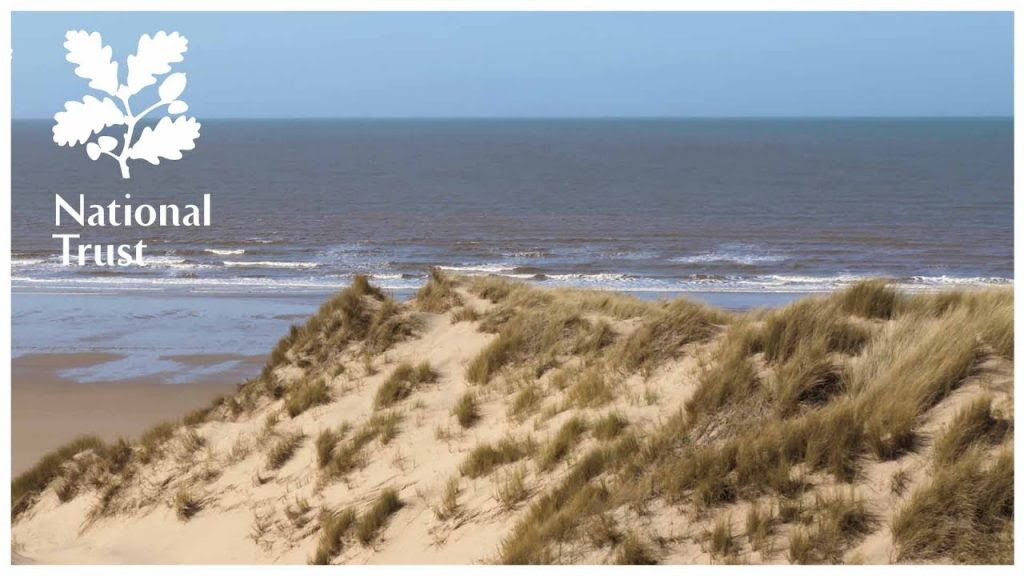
[736, 212]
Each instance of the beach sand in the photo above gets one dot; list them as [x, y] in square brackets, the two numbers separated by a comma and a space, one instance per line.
[50, 409]
[248, 482]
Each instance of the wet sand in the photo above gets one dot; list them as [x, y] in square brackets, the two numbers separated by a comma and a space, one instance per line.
[49, 410]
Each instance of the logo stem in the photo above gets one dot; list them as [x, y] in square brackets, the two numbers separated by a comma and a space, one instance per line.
[125, 172]
[122, 158]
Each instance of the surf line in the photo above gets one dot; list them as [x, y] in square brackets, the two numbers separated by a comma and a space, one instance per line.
[120, 215]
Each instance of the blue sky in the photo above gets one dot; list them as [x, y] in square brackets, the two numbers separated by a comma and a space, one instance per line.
[549, 64]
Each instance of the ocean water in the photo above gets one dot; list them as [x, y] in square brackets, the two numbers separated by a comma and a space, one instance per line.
[642, 206]
[738, 212]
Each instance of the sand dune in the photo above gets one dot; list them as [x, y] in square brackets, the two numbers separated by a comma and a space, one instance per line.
[517, 424]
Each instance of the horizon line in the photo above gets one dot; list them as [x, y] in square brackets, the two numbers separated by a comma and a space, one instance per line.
[652, 117]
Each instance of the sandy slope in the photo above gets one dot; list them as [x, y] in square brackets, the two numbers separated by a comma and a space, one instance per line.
[243, 517]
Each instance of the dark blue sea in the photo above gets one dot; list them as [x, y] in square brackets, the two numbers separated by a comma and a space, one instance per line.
[738, 212]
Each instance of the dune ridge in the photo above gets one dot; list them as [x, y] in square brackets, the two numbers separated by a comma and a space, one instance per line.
[492, 421]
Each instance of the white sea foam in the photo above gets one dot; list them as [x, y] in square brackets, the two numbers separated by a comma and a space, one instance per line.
[38, 277]
[225, 252]
[168, 261]
[954, 281]
[590, 278]
[268, 264]
[139, 282]
[745, 284]
[797, 279]
[479, 268]
[27, 261]
[734, 257]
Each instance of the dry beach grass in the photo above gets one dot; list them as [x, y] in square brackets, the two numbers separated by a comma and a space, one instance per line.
[489, 420]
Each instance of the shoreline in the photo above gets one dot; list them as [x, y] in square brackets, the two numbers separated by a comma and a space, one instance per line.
[49, 409]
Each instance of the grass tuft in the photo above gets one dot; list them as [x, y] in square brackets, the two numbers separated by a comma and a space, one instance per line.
[809, 378]
[198, 416]
[591, 389]
[557, 516]
[634, 552]
[841, 520]
[974, 425]
[465, 314]
[964, 514]
[186, 505]
[438, 295]
[334, 527]
[511, 488]
[152, 441]
[466, 410]
[721, 543]
[801, 547]
[371, 521]
[869, 299]
[526, 400]
[361, 313]
[562, 443]
[534, 334]
[326, 441]
[759, 526]
[449, 505]
[485, 457]
[731, 376]
[908, 370]
[609, 426]
[300, 398]
[283, 450]
[663, 333]
[31, 482]
[898, 482]
[348, 456]
[814, 323]
[401, 383]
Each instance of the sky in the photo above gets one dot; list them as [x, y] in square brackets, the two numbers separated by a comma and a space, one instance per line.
[399, 65]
